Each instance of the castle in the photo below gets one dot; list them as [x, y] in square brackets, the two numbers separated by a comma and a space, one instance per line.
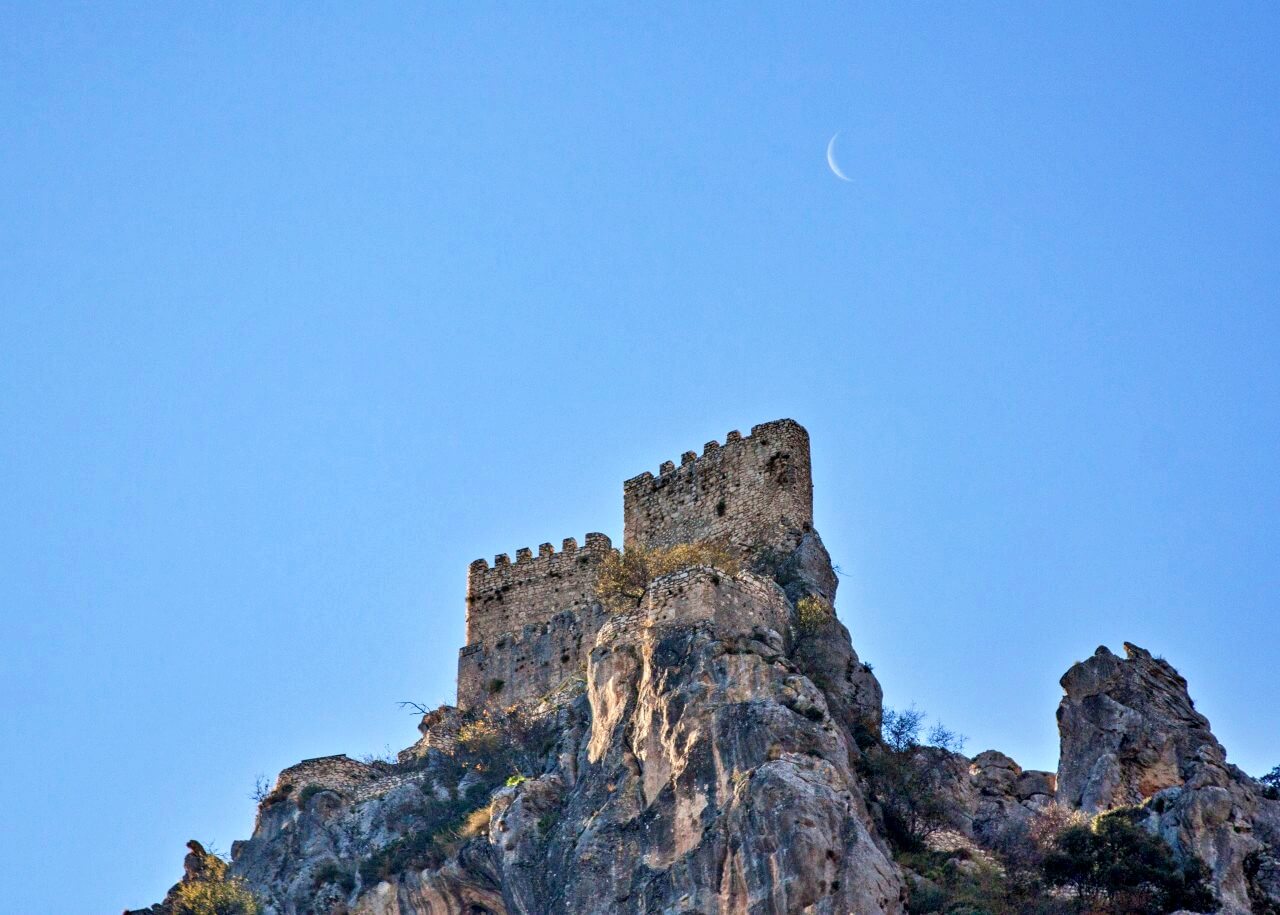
[532, 622]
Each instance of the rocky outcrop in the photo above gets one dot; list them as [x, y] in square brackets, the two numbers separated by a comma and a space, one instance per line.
[704, 761]
[197, 866]
[1130, 735]
[989, 799]
[1128, 730]
[708, 741]
[1006, 797]
[715, 767]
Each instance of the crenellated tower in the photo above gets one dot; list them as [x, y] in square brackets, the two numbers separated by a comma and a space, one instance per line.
[750, 493]
[531, 623]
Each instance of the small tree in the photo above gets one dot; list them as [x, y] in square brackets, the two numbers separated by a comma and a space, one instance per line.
[905, 776]
[1271, 783]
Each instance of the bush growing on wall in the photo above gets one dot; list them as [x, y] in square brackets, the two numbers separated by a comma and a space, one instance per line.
[626, 574]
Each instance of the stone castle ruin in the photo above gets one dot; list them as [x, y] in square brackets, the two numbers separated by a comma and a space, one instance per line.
[531, 623]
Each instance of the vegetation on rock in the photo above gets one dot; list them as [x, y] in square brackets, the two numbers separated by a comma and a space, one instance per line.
[213, 892]
[1115, 865]
[905, 777]
[625, 575]
[1272, 782]
[812, 612]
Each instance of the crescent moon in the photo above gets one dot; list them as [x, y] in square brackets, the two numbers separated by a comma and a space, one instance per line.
[831, 159]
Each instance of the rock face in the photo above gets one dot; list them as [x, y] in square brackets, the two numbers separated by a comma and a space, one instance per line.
[698, 766]
[1128, 730]
[710, 745]
[1130, 735]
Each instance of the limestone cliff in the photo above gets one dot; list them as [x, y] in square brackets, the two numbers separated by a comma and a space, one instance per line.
[705, 739]
[697, 766]
[1131, 736]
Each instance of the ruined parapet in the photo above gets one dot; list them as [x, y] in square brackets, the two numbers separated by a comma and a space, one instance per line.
[750, 493]
[338, 773]
[439, 729]
[511, 595]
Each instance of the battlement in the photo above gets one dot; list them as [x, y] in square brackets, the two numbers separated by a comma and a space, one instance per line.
[751, 493]
[511, 595]
[531, 623]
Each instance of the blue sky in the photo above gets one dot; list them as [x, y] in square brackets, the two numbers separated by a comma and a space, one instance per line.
[306, 307]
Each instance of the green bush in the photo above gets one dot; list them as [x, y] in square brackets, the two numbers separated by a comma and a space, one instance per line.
[812, 613]
[1271, 784]
[979, 888]
[309, 792]
[214, 893]
[1115, 865]
[335, 873]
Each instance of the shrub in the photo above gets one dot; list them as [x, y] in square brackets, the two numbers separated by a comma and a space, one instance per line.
[978, 888]
[335, 873]
[625, 575]
[1271, 784]
[1115, 865]
[503, 744]
[214, 893]
[812, 613]
[278, 795]
[476, 823]
[309, 792]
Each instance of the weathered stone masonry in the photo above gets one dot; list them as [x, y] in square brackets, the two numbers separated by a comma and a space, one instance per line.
[750, 493]
[530, 591]
[531, 623]
[527, 620]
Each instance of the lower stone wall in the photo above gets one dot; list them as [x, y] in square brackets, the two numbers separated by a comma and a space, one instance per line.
[386, 784]
[337, 773]
[526, 664]
[705, 593]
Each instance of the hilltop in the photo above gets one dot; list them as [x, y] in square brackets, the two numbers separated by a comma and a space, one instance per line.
[682, 724]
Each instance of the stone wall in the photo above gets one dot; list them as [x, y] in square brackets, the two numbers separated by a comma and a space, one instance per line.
[530, 591]
[336, 773]
[527, 663]
[702, 593]
[751, 493]
[531, 623]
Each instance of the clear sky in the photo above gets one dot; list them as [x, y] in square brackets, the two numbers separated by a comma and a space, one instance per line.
[305, 307]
